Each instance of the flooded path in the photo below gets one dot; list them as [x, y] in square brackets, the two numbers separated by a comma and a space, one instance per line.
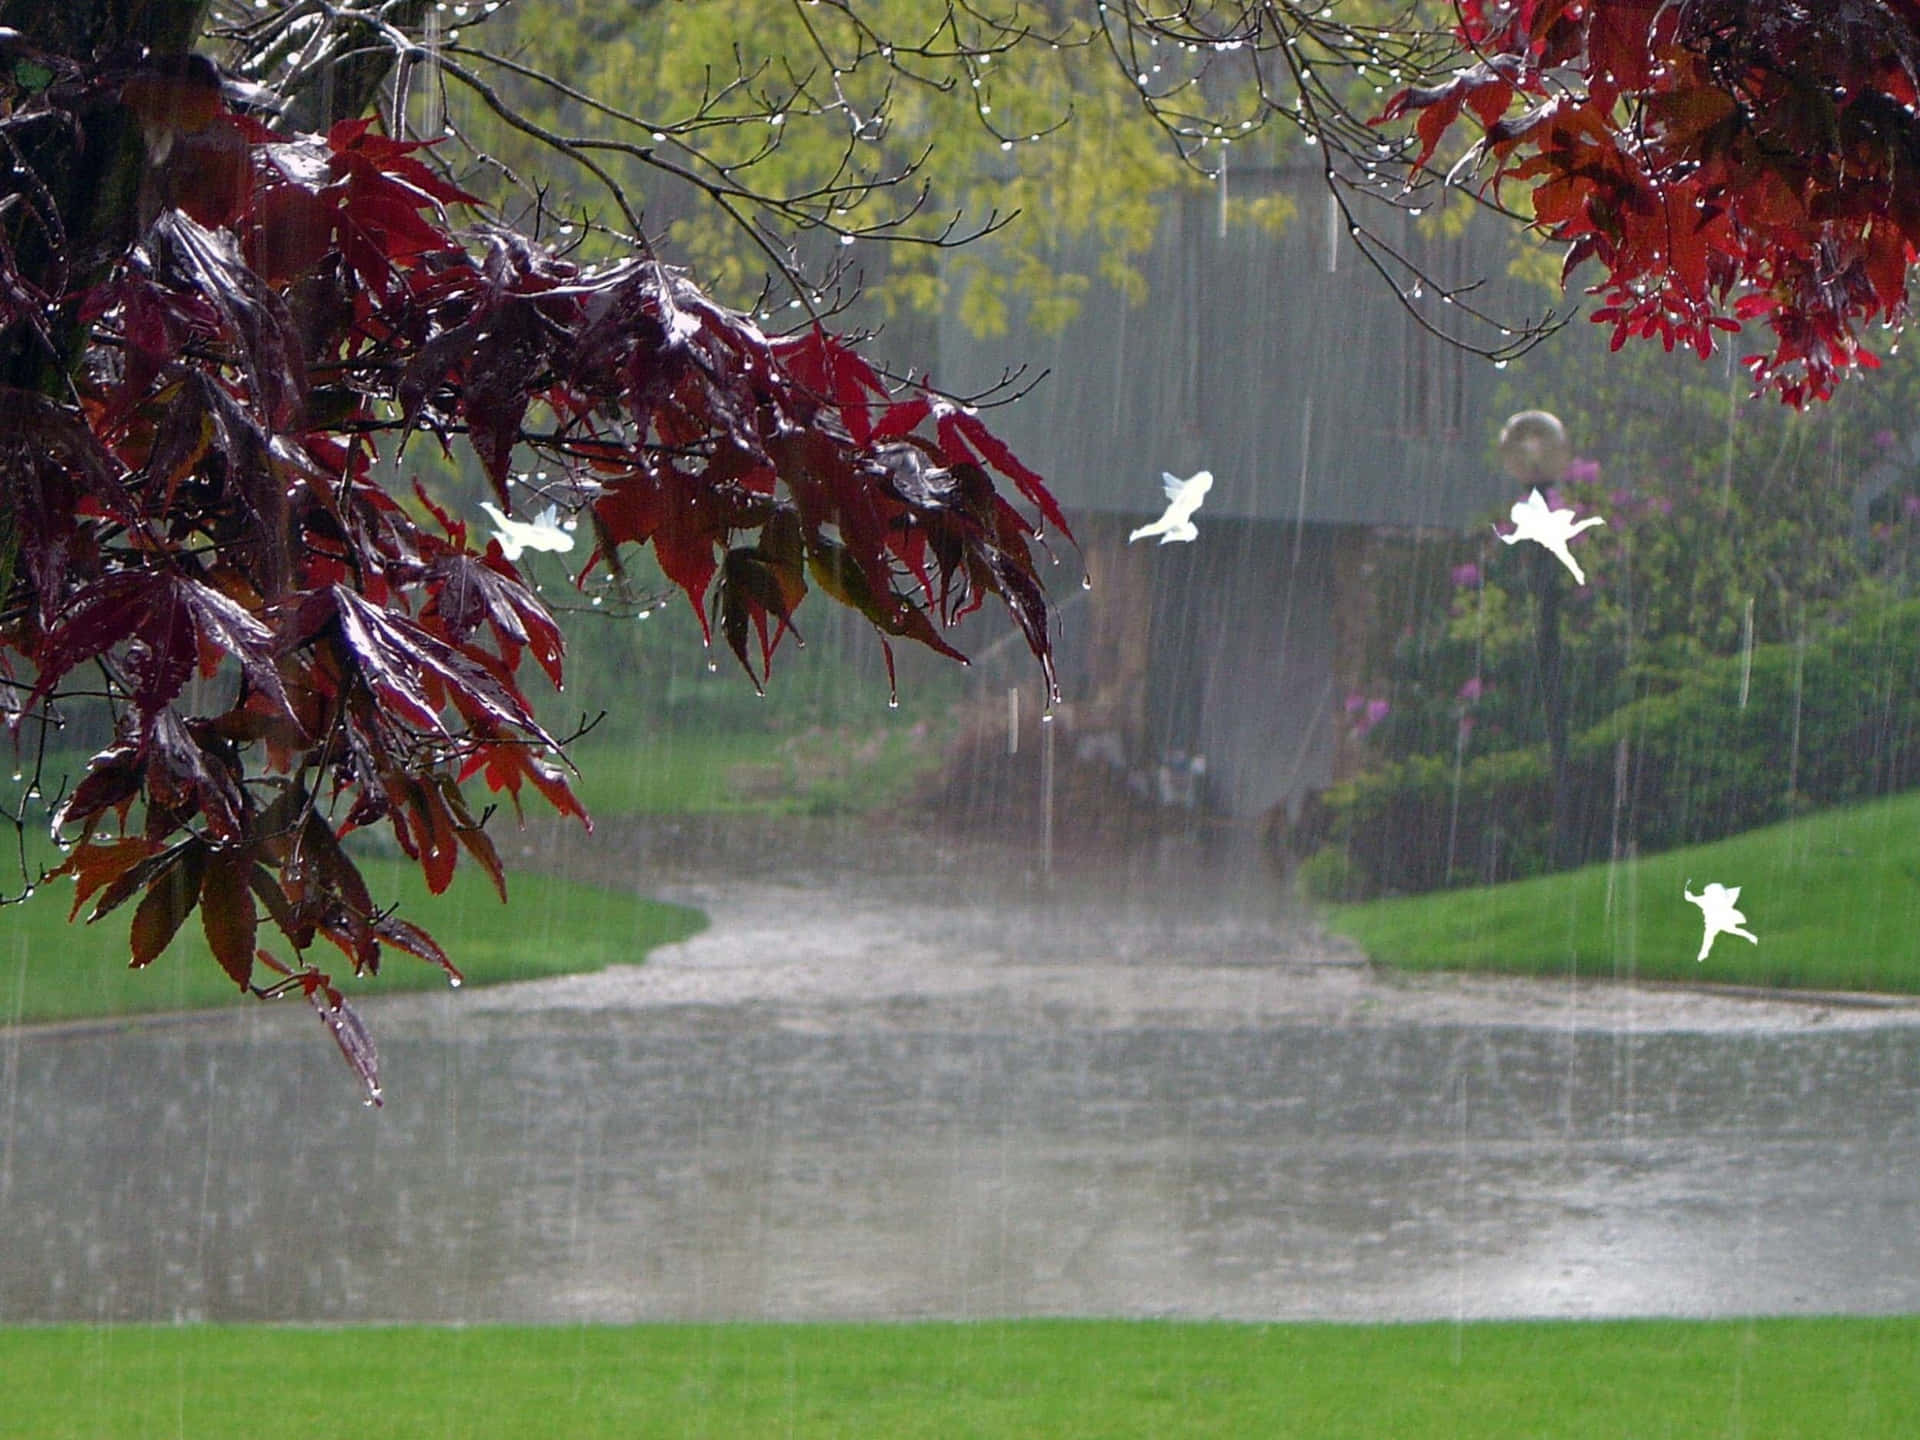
[910, 1077]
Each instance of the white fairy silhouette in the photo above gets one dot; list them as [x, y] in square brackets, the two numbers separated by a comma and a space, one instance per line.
[1532, 520]
[1717, 910]
[1183, 498]
[544, 532]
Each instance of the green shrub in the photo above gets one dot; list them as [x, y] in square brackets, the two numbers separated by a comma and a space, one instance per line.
[1838, 720]
[1410, 828]
[1332, 875]
[1833, 721]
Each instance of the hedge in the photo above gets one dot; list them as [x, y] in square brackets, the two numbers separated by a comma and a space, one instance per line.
[1835, 721]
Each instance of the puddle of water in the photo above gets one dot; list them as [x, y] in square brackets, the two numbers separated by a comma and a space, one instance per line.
[692, 1162]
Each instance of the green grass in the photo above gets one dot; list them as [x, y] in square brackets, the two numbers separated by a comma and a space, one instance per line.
[1834, 898]
[50, 970]
[690, 769]
[1779, 1379]
[819, 771]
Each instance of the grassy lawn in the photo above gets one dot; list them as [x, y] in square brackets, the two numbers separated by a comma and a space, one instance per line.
[817, 771]
[50, 970]
[1552, 1381]
[1833, 897]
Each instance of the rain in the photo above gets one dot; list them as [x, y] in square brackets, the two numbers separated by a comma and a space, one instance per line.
[1051, 1033]
[1323, 947]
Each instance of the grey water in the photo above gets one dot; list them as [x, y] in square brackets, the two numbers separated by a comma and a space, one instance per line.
[748, 1127]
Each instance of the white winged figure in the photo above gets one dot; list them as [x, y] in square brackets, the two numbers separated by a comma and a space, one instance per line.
[1717, 910]
[1532, 520]
[1183, 498]
[544, 532]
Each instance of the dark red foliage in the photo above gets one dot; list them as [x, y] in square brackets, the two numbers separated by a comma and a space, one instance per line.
[1720, 160]
[190, 491]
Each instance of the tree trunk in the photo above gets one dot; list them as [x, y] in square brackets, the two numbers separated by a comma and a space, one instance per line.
[91, 177]
[85, 28]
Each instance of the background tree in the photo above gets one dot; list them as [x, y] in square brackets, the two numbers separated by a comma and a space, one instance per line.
[923, 122]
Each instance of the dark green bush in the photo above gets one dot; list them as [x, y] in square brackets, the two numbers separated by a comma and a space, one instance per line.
[1332, 874]
[1409, 828]
[1833, 721]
